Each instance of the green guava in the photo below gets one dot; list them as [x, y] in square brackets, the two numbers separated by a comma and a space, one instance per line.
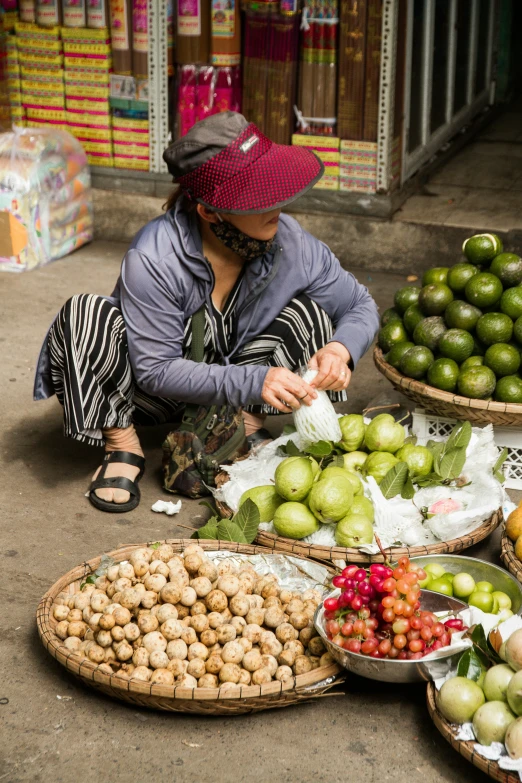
[384, 434]
[294, 478]
[354, 530]
[352, 428]
[378, 464]
[295, 520]
[330, 499]
[266, 499]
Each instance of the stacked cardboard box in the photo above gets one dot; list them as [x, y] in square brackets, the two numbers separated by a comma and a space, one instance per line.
[41, 74]
[359, 165]
[327, 149]
[88, 61]
[129, 102]
[14, 86]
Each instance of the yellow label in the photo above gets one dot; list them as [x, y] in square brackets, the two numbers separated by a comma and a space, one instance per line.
[131, 149]
[43, 87]
[48, 101]
[39, 74]
[327, 183]
[46, 60]
[348, 146]
[77, 47]
[122, 123]
[88, 105]
[119, 25]
[328, 157]
[24, 29]
[86, 118]
[17, 111]
[86, 91]
[86, 77]
[87, 134]
[97, 146]
[39, 46]
[79, 34]
[45, 114]
[136, 138]
[223, 18]
[316, 142]
[85, 62]
[131, 163]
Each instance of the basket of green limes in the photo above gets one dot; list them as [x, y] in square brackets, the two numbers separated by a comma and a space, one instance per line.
[454, 345]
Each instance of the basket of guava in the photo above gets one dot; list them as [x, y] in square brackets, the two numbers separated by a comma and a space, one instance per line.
[454, 345]
[370, 491]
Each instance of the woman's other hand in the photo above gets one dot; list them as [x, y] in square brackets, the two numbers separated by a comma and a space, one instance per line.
[286, 391]
[332, 365]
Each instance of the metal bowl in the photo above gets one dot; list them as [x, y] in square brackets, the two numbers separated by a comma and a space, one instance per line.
[392, 670]
[480, 570]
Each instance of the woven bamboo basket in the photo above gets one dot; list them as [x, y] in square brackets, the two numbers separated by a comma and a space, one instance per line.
[353, 555]
[204, 701]
[465, 749]
[509, 558]
[442, 403]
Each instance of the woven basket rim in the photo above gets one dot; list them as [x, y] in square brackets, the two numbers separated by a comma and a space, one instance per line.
[508, 556]
[430, 392]
[89, 671]
[465, 749]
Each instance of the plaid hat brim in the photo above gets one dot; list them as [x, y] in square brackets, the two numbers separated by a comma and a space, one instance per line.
[253, 175]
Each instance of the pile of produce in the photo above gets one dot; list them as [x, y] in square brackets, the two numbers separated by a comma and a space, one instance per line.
[462, 331]
[336, 493]
[181, 619]
[481, 594]
[514, 530]
[487, 690]
[379, 613]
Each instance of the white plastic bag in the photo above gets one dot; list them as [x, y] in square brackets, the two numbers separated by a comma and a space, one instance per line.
[317, 421]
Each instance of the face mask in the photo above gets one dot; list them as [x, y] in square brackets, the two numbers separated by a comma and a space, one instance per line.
[246, 247]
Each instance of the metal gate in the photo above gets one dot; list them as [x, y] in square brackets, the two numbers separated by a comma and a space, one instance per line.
[448, 73]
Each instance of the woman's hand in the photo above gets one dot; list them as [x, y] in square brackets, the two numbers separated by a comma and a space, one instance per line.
[285, 390]
[332, 364]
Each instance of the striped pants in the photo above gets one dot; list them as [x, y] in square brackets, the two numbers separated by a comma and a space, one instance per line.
[92, 374]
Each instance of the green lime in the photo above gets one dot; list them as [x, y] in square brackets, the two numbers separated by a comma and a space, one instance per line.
[482, 248]
[481, 600]
[517, 330]
[478, 348]
[456, 344]
[438, 274]
[494, 328]
[443, 374]
[391, 334]
[462, 315]
[435, 570]
[459, 275]
[448, 577]
[508, 268]
[476, 382]
[473, 361]
[434, 298]
[405, 297]
[397, 352]
[509, 389]
[429, 331]
[463, 585]
[511, 302]
[503, 359]
[390, 315]
[412, 317]
[483, 290]
[416, 362]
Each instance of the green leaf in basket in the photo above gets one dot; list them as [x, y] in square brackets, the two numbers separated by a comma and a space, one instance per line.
[155, 545]
[502, 457]
[337, 462]
[500, 476]
[460, 436]
[289, 429]
[227, 530]
[470, 665]
[209, 530]
[323, 448]
[408, 490]
[480, 645]
[411, 440]
[437, 450]
[292, 450]
[247, 520]
[452, 463]
[394, 480]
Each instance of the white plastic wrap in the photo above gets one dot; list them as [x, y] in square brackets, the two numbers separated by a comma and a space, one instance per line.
[45, 197]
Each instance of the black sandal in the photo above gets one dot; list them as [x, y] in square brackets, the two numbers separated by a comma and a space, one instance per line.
[118, 482]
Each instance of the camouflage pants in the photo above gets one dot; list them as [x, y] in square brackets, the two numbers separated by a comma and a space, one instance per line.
[92, 374]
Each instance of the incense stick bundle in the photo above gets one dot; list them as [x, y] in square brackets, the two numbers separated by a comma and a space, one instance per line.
[255, 71]
[193, 32]
[306, 74]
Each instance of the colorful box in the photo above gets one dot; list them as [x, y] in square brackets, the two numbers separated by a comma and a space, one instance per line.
[327, 149]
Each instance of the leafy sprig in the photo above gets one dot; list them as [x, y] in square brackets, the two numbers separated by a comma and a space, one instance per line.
[241, 529]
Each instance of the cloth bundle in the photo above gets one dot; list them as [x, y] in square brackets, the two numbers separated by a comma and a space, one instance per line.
[45, 197]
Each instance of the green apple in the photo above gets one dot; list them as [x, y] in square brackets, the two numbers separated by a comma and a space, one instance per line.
[441, 586]
[504, 601]
[482, 600]
[484, 587]
[463, 585]
[355, 460]
[448, 577]
[435, 569]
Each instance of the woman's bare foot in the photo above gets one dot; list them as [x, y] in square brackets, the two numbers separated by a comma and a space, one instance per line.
[117, 439]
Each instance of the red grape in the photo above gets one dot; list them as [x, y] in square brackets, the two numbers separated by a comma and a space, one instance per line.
[437, 629]
[388, 602]
[399, 606]
[357, 603]
[445, 639]
[350, 583]
[360, 575]
[385, 646]
[347, 629]
[388, 615]
[332, 628]
[403, 655]
[379, 569]
[455, 623]
[437, 644]
[408, 611]
[369, 646]
[398, 573]
[400, 641]
[416, 656]
[338, 581]
[412, 635]
[388, 572]
[372, 623]
[353, 645]
[401, 625]
[411, 578]
[426, 633]
[349, 571]
[404, 562]
[393, 652]
[402, 586]
[388, 585]
[365, 613]
[416, 623]
[359, 626]
[338, 639]
[368, 633]
[417, 645]
[331, 604]
[376, 654]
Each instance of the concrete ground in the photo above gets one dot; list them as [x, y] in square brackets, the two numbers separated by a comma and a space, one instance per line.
[54, 728]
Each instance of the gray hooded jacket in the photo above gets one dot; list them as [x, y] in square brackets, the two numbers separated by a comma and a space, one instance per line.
[165, 279]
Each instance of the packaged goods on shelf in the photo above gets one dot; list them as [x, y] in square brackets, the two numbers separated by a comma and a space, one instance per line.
[225, 42]
[140, 39]
[27, 10]
[14, 86]
[48, 13]
[193, 32]
[97, 14]
[40, 54]
[269, 71]
[359, 165]
[170, 37]
[45, 198]
[121, 27]
[317, 91]
[205, 90]
[10, 14]
[74, 13]
[327, 149]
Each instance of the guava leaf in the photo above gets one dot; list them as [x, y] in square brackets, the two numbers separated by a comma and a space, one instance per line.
[227, 530]
[411, 440]
[247, 520]
[452, 463]
[289, 429]
[156, 545]
[481, 646]
[437, 450]
[502, 457]
[394, 480]
[209, 530]
[337, 462]
[322, 448]
[460, 436]
[292, 450]
[500, 476]
[470, 665]
[408, 490]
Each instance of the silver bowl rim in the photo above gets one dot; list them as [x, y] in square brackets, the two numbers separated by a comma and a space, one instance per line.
[322, 633]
